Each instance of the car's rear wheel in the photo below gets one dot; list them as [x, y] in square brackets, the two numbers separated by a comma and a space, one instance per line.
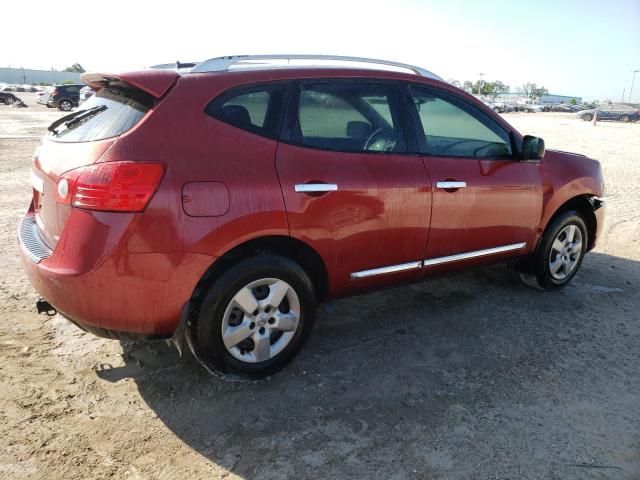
[624, 118]
[587, 117]
[559, 254]
[9, 101]
[255, 317]
[65, 105]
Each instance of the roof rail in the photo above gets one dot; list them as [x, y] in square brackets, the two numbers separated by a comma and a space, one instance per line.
[220, 64]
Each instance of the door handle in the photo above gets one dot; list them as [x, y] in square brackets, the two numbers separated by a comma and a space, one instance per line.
[449, 185]
[316, 187]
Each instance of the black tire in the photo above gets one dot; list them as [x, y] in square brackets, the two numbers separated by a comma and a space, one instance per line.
[65, 105]
[538, 272]
[205, 330]
[624, 118]
[9, 101]
[587, 117]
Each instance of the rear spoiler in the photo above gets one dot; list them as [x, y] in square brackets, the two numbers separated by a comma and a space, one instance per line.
[153, 82]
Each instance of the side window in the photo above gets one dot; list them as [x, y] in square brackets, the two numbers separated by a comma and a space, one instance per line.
[451, 129]
[347, 117]
[72, 89]
[256, 109]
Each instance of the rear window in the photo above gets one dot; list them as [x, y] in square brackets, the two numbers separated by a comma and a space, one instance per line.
[256, 108]
[122, 108]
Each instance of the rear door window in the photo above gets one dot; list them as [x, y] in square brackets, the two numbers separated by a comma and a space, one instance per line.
[454, 128]
[347, 117]
[256, 108]
[117, 110]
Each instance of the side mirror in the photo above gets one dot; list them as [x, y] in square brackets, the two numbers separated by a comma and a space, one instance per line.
[532, 148]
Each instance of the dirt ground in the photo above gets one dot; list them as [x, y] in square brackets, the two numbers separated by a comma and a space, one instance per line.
[469, 377]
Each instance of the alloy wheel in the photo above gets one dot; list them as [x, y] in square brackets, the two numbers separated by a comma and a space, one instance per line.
[565, 253]
[260, 320]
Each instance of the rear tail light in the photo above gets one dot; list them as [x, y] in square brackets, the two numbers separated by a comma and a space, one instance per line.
[110, 186]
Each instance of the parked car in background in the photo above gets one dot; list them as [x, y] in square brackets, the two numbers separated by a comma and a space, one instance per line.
[619, 112]
[326, 183]
[531, 108]
[86, 92]
[65, 97]
[9, 88]
[563, 107]
[42, 96]
[8, 98]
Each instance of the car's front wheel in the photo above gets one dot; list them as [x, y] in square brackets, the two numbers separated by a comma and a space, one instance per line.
[587, 117]
[65, 105]
[624, 118]
[255, 317]
[559, 253]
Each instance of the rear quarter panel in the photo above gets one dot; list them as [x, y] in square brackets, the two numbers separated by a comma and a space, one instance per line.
[198, 148]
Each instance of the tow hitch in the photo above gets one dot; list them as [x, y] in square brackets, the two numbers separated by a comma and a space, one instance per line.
[45, 307]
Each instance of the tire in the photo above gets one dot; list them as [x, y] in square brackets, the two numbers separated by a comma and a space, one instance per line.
[496, 109]
[65, 105]
[559, 254]
[9, 101]
[587, 117]
[624, 118]
[225, 337]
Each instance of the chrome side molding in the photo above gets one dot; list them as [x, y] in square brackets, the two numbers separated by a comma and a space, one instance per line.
[316, 187]
[477, 253]
[390, 269]
[437, 261]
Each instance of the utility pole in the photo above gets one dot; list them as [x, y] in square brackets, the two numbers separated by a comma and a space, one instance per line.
[633, 80]
[480, 81]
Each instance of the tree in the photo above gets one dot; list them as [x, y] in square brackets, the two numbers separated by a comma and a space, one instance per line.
[527, 87]
[499, 88]
[467, 86]
[76, 67]
[573, 101]
[531, 90]
[538, 92]
[454, 82]
[492, 89]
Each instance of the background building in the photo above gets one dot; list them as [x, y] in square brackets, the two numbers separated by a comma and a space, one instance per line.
[22, 76]
[559, 99]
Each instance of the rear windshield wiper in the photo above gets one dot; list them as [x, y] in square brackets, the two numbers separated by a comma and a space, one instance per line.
[89, 113]
[75, 117]
[52, 128]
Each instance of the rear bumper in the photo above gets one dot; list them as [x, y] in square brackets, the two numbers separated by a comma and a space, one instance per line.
[107, 290]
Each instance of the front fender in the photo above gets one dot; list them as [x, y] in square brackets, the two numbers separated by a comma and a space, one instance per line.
[566, 176]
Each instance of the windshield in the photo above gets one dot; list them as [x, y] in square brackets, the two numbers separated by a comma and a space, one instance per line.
[112, 111]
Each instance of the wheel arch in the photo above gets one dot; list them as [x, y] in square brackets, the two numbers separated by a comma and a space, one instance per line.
[583, 204]
[289, 247]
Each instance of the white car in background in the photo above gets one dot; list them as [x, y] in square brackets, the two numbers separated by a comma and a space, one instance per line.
[42, 96]
[86, 92]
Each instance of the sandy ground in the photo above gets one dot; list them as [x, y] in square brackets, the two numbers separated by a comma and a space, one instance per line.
[469, 377]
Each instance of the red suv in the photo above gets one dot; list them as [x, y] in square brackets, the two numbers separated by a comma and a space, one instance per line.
[222, 203]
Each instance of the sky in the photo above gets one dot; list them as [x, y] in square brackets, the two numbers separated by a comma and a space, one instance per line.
[582, 48]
